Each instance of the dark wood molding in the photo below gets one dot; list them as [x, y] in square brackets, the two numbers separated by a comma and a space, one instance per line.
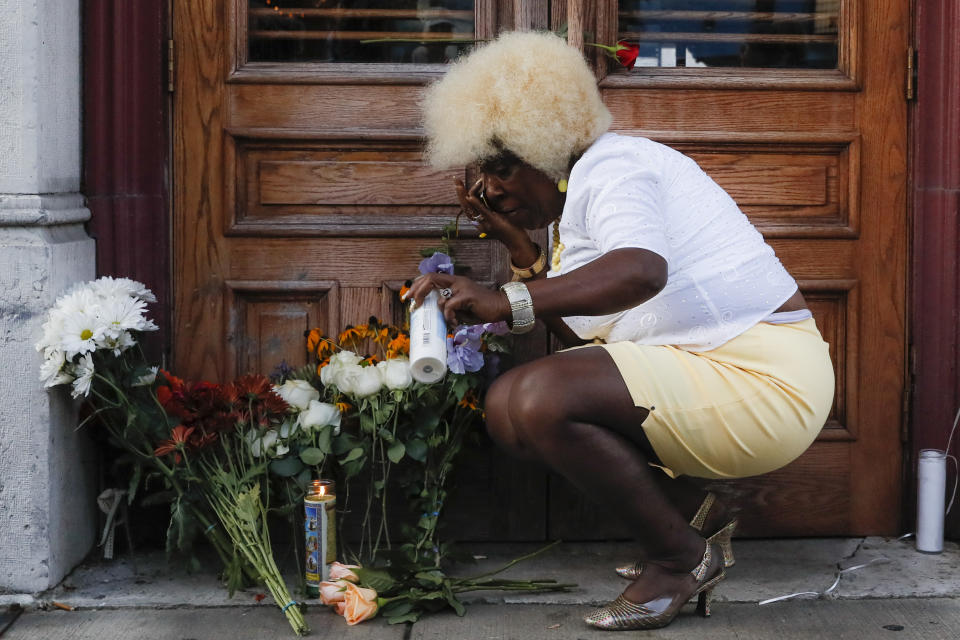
[126, 138]
[935, 308]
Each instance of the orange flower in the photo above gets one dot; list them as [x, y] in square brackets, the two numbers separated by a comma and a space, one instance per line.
[371, 360]
[340, 571]
[343, 407]
[331, 592]
[399, 346]
[313, 339]
[325, 348]
[405, 289]
[176, 443]
[353, 336]
[469, 401]
[381, 335]
[359, 604]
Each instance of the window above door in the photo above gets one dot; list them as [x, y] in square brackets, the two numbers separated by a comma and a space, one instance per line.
[804, 44]
[351, 41]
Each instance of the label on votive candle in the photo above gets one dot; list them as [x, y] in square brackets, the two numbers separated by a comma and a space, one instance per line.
[316, 527]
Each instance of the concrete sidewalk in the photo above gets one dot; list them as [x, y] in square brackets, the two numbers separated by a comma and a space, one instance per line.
[902, 593]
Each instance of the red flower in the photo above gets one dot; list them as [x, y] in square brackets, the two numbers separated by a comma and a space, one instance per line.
[177, 442]
[626, 54]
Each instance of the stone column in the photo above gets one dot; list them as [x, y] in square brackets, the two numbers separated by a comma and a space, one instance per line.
[47, 468]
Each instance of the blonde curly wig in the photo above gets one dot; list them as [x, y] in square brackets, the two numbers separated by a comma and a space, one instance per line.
[526, 92]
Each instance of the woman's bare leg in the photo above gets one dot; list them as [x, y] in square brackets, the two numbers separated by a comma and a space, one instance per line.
[572, 411]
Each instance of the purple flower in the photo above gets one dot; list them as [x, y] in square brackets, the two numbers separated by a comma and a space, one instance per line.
[437, 263]
[463, 349]
[497, 328]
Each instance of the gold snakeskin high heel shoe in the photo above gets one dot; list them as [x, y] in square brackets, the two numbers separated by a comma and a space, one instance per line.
[624, 615]
[722, 538]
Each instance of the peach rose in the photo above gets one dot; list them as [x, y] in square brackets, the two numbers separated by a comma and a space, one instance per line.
[332, 592]
[342, 572]
[359, 604]
[340, 606]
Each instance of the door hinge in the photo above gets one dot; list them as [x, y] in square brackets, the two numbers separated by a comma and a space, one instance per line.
[170, 67]
[911, 74]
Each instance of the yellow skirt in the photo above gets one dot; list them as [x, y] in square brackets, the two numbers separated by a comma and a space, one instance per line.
[746, 408]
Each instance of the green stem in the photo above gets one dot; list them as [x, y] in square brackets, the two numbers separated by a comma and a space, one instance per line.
[514, 562]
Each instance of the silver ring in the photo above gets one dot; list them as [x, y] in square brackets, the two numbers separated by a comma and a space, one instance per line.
[483, 197]
[446, 292]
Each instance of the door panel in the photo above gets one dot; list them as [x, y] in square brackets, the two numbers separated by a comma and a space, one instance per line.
[301, 199]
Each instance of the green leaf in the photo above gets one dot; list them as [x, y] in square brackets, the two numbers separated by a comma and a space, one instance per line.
[426, 419]
[368, 423]
[413, 616]
[353, 469]
[325, 439]
[312, 456]
[343, 443]
[303, 479]
[396, 608]
[396, 451]
[430, 577]
[452, 600]
[286, 467]
[134, 483]
[376, 579]
[353, 455]
[417, 449]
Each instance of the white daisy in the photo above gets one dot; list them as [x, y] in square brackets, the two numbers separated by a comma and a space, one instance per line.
[121, 314]
[84, 371]
[117, 345]
[147, 378]
[79, 299]
[109, 287]
[81, 332]
[51, 371]
[52, 331]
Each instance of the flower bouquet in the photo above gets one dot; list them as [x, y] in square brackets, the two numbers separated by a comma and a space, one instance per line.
[91, 342]
[232, 457]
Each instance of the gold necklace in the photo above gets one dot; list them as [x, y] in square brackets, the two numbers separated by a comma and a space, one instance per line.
[557, 247]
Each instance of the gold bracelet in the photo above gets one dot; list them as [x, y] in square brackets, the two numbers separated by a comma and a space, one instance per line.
[538, 267]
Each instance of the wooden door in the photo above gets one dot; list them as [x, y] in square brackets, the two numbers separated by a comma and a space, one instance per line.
[301, 200]
[798, 109]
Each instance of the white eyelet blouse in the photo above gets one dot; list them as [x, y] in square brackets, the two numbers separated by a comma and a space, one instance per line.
[723, 278]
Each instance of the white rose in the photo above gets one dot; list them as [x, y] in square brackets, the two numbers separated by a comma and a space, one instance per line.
[297, 393]
[342, 376]
[338, 362]
[290, 426]
[359, 381]
[261, 444]
[320, 414]
[396, 373]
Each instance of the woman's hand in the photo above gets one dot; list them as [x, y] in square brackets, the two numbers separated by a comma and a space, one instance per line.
[493, 224]
[467, 301]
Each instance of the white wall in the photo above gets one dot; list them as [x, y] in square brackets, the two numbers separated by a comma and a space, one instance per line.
[47, 483]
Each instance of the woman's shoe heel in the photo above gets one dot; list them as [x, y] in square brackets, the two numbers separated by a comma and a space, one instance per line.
[703, 602]
[723, 539]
